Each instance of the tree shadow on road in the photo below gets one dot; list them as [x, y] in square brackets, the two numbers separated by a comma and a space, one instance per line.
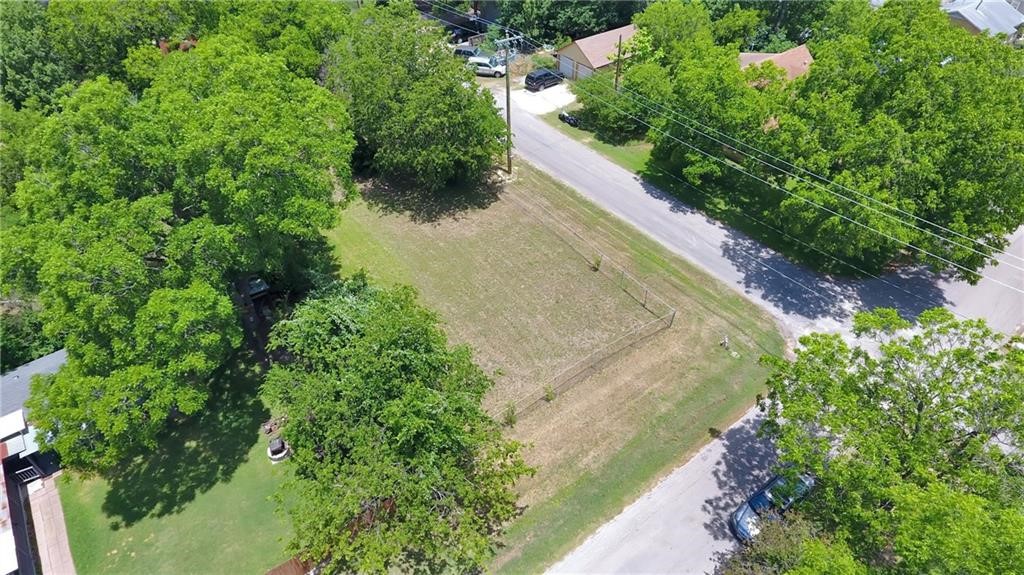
[194, 455]
[910, 291]
[745, 465]
[789, 286]
[423, 206]
[796, 289]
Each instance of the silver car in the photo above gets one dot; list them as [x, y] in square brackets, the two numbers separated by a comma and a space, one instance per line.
[487, 66]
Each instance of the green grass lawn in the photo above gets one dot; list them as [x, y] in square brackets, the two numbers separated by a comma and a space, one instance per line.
[199, 504]
[506, 284]
[631, 155]
[503, 283]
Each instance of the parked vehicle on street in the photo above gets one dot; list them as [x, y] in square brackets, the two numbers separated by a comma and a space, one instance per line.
[467, 51]
[487, 66]
[569, 119]
[773, 499]
[542, 78]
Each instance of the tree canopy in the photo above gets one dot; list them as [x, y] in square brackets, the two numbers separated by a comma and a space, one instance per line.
[137, 213]
[916, 447]
[911, 116]
[396, 464]
[417, 112]
[557, 21]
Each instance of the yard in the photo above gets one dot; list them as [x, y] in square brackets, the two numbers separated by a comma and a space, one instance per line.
[511, 286]
[528, 301]
[199, 504]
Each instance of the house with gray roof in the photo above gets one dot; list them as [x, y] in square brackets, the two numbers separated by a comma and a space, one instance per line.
[990, 16]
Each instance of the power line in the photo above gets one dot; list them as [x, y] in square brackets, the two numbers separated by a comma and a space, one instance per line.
[675, 114]
[942, 238]
[831, 192]
[771, 184]
[811, 246]
[799, 197]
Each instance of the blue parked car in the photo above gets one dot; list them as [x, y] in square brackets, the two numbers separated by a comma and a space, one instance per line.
[773, 498]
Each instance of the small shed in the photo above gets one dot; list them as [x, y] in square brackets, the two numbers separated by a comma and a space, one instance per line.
[581, 58]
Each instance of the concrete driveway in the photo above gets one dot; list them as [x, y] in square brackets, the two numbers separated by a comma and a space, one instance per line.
[543, 101]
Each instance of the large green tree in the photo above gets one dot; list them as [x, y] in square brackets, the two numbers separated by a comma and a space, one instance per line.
[561, 20]
[396, 465]
[911, 443]
[913, 118]
[30, 69]
[417, 112]
[913, 113]
[135, 215]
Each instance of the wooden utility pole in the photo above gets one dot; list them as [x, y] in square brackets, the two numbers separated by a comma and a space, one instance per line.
[508, 105]
[618, 63]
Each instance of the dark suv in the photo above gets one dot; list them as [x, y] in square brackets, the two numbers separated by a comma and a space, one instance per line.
[540, 79]
[773, 499]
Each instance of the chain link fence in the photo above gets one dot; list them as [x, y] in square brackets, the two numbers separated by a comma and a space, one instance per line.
[661, 313]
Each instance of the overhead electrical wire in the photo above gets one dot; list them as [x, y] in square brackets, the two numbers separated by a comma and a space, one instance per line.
[737, 142]
[769, 183]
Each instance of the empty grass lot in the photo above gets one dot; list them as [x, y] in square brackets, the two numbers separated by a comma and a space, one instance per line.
[503, 283]
[510, 287]
[198, 504]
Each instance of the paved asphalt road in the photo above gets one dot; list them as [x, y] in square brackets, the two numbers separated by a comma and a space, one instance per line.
[679, 526]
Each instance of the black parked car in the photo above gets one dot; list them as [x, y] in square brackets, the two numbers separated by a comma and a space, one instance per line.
[569, 119]
[543, 78]
[774, 498]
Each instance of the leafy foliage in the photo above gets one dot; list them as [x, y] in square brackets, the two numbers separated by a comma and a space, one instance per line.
[561, 20]
[136, 214]
[905, 441]
[620, 116]
[299, 31]
[791, 545]
[16, 128]
[396, 465]
[416, 110]
[28, 68]
[21, 332]
[94, 36]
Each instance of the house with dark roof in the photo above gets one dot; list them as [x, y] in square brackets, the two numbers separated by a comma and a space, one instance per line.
[586, 55]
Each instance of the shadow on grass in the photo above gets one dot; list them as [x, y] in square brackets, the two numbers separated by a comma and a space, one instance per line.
[195, 455]
[423, 206]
